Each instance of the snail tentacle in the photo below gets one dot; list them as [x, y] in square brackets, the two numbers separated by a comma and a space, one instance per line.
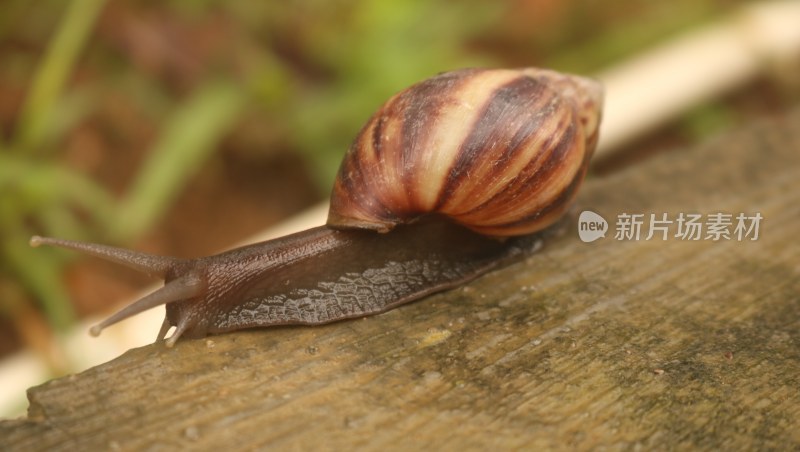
[181, 289]
[149, 264]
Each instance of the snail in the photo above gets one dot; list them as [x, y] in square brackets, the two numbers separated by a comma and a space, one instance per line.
[449, 179]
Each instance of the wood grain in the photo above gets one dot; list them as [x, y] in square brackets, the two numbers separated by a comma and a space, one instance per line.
[619, 344]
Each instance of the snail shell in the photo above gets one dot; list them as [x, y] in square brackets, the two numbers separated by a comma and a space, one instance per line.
[499, 151]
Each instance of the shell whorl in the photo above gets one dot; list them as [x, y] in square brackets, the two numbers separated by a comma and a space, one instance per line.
[500, 151]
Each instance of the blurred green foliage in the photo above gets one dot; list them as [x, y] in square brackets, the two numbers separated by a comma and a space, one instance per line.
[36, 190]
[309, 73]
[375, 49]
[38, 194]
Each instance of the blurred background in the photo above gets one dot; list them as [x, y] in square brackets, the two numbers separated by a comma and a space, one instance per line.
[182, 127]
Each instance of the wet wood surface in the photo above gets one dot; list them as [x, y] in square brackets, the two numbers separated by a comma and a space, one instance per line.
[617, 343]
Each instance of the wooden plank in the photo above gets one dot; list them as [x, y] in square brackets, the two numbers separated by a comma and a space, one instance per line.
[615, 343]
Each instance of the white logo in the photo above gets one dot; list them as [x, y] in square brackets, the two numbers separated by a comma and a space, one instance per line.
[591, 226]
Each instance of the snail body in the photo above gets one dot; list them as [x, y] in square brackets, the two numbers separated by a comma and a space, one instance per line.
[449, 179]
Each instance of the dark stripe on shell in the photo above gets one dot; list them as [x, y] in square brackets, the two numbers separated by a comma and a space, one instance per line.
[535, 175]
[377, 134]
[356, 190]
[558, 202]
[517, 98]
[423, 104]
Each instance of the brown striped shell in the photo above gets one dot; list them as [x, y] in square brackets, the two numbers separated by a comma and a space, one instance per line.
[499, 151]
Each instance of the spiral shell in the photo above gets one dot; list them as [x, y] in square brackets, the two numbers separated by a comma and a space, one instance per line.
[500, 151]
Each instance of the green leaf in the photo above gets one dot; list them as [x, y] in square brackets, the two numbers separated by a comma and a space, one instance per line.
[52, 74]
[186, 141]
